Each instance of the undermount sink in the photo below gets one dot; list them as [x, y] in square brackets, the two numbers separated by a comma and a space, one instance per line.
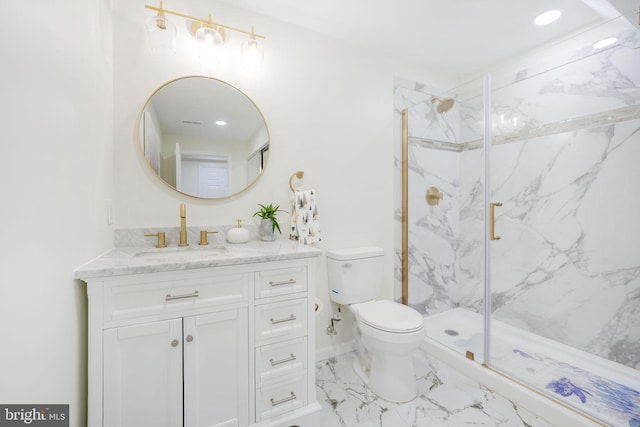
[181, 254]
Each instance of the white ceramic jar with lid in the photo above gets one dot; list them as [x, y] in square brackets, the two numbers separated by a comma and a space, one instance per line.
[238, 234]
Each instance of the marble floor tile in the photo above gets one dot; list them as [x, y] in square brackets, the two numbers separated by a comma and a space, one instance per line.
[445, 399]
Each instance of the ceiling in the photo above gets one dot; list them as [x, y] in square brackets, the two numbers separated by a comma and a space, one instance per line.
[191, 106]
[455, 37]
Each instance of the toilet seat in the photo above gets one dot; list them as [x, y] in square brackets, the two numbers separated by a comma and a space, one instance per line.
[390, 316]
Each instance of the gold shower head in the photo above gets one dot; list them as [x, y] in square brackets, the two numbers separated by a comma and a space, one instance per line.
[444, 105]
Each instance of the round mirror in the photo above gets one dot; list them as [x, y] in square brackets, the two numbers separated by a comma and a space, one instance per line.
[204, 137]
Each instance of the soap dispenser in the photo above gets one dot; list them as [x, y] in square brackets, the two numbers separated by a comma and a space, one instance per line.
[238, 234]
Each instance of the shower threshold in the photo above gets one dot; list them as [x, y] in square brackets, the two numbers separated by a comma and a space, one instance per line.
[603, 389]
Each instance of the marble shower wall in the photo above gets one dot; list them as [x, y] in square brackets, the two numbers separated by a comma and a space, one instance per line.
[564, 162]
[434, 231]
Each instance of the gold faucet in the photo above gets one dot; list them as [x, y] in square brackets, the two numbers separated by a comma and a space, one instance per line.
[183, 225]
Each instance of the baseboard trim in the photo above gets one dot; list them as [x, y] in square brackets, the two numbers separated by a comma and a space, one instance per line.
[335, 350]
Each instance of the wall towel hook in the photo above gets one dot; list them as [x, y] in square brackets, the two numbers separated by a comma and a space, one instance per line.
[298, 175]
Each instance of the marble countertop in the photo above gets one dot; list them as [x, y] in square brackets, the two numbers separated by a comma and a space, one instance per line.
[138, 260]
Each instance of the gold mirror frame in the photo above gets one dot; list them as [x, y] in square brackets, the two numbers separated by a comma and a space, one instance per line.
[179, 141]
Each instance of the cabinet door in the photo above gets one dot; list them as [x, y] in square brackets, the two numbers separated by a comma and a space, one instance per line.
[143, 375]
[216, 381]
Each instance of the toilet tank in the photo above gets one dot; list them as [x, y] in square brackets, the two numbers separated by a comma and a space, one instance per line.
[355, 274]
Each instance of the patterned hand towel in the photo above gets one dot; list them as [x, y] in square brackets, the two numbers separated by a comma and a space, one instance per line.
[305, 226]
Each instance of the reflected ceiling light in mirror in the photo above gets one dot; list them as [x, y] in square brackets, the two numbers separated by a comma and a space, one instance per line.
[605, 42]
[252, 54]
[162, 33]
[210, 36]
[548, 17]
[221, 123]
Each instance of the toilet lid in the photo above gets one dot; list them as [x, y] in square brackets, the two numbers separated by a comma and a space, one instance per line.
[390, 316]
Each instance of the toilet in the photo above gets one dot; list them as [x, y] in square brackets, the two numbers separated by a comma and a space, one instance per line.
[386, 332]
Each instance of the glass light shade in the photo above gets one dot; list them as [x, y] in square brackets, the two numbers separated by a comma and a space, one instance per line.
[209, 43]
[162, 34]
[252, 55]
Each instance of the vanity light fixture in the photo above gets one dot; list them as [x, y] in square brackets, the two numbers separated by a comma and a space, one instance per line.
[162, 33]
[252, 53]
[548, 17]
[605, 42]
[221, 123]
[209, 36]
[209, 41]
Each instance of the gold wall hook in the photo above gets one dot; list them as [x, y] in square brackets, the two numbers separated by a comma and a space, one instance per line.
[433, 196]
[492, 235]
[298, 175]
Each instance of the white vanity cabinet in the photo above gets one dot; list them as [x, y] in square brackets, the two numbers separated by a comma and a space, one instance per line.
[228, 345]
[135, 357]
[153, 369]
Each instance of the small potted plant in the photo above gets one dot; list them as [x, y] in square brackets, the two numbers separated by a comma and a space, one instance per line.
[269, 222]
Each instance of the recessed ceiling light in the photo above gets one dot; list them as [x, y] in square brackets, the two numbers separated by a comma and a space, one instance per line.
[605, 42]
[221, 123]
[547, 17]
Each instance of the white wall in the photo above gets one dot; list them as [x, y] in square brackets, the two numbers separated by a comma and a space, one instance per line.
[71, 97]
[329, 108]
[56, 170]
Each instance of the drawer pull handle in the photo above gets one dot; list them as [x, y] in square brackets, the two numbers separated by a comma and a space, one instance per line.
[281, 361]
[286, 319]
[170, 297]
[284, 282]
[285, 400]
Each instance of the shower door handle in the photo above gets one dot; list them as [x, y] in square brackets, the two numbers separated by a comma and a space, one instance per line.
[492, 235]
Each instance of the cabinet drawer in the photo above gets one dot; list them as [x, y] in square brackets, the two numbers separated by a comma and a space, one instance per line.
[281, 281]
[152, 295]
[280, 398]
[280, 321]
[288, 358]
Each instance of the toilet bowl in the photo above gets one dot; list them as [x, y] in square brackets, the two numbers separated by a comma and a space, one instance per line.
[386, 332]
[390, 333]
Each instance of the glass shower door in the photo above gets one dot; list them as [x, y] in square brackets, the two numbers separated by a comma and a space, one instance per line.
[564, 285]
[445, 179]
